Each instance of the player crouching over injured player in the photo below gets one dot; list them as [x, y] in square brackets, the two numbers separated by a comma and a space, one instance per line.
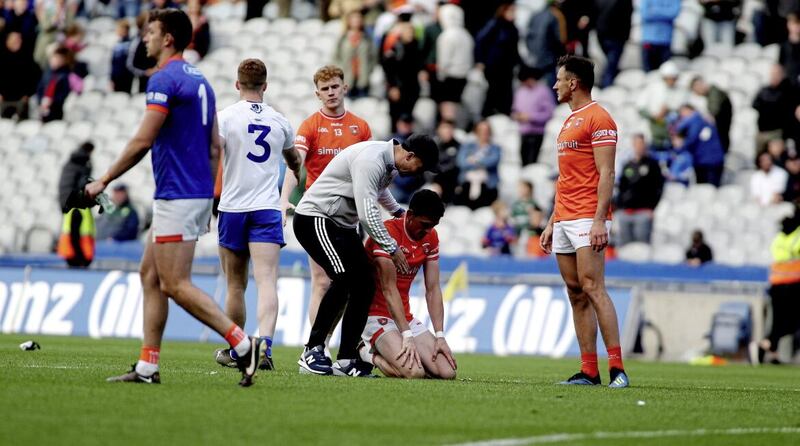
[401, 345]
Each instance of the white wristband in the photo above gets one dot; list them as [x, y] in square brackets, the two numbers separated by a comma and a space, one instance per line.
[440, 334]
[407, 334]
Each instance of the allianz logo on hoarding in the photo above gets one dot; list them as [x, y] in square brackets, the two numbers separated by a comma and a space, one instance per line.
[38, 307]
[117, 306]
[41, 307]
[533, 321]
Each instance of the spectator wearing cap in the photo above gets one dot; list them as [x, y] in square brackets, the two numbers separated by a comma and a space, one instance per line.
[533, 106]
[658, 21]
[121, 224]
[718, 106]
[454, 52]
[775, 104]
[657, 101]
[768, 183]
[477, 163]
[496, 53]
[355, 54]
[613, 26]
[17, 85]
[546, 39]
[699, 137]
[792, 191]
[639, 191]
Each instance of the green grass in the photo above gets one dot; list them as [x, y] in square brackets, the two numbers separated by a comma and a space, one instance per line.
[57, 395]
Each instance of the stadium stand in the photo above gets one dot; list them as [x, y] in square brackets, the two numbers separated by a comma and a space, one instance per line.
[737, 229]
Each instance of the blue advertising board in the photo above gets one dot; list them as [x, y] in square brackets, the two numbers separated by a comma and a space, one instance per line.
[495, 319]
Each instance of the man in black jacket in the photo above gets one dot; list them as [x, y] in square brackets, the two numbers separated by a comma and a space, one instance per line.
[613, 30]
[640, 189]
[775, 104]
[76, 243]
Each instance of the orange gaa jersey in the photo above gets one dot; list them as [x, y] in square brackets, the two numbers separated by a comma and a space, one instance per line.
[587, 129]
[322, 137]
[417, 253]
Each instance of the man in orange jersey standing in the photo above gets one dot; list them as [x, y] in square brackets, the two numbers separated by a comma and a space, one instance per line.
[321, 137]
[578, 229]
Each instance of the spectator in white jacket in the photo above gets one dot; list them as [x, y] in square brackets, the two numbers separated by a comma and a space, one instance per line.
[454, 59]
[656, 102]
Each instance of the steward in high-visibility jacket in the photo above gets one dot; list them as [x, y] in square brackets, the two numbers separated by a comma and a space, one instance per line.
[785, 249]
[76, 243]
[784, 278]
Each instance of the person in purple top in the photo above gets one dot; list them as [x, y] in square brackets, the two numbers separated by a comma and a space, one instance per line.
[181, 128]
[533, 107]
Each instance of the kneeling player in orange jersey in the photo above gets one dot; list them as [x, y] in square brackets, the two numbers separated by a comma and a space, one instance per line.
[394, 341]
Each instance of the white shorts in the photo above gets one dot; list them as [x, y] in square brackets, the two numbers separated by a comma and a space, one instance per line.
[180, 220]
[377, 326]
[571, 235]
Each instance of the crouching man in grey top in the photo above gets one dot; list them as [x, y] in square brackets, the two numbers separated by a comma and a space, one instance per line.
[325, 223]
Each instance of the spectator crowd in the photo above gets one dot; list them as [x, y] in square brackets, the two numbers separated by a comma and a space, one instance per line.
[435, 49]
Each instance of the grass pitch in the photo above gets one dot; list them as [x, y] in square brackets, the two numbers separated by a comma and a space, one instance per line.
[57, 395]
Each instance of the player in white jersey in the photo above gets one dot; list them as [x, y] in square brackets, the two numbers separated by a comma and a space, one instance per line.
[250, 219]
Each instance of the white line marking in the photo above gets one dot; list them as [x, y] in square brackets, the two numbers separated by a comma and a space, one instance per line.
[563, 437]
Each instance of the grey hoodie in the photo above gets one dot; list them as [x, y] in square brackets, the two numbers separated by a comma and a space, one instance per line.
[455, 45]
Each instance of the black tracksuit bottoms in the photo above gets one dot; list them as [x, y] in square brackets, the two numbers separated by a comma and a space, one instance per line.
[340, 252]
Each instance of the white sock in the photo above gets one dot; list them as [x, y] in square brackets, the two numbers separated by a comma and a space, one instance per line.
[242, 347]
[145, 368]
[366, 354]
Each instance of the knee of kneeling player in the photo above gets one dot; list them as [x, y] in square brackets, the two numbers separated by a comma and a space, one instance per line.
[446, 372]
[414, 373]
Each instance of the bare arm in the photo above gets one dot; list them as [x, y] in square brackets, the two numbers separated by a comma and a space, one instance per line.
[433, 295]
[215, 152]
[136, 149]
[604, 160]
[388, 277]
[290, 182]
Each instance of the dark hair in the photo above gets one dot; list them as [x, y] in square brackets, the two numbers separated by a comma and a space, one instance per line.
[580, 67]
[426, 203]
[252, 74]
[87, 146]
[176, 23]
[425, 148]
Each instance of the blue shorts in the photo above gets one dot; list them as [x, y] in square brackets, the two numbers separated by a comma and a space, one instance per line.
[237, 229]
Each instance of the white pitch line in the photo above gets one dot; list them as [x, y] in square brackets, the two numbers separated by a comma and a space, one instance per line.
[563, 437]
